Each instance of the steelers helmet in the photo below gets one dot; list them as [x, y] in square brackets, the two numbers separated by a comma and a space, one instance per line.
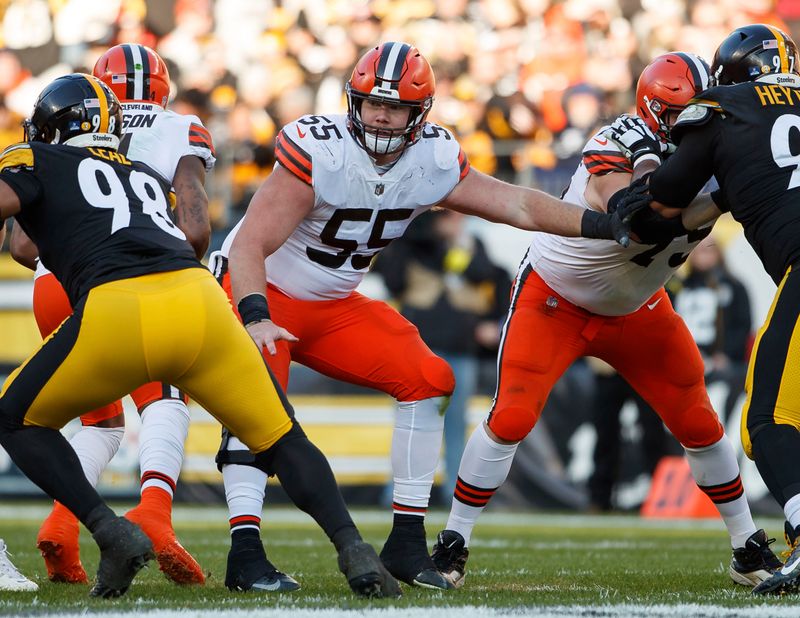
[752, 51]
[393, 73]
[76, 110]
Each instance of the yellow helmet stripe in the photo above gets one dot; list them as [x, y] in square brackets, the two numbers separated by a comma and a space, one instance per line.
[781, 49]
[103, 99]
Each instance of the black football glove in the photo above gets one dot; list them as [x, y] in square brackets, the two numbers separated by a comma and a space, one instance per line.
[635, 139]
[617, 225]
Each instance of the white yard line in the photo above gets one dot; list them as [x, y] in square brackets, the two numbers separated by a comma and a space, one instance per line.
[561, 611]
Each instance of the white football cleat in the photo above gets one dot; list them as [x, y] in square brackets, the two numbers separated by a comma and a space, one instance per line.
[10, 577]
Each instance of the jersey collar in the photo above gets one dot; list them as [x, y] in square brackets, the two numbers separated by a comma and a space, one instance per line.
[784, 79]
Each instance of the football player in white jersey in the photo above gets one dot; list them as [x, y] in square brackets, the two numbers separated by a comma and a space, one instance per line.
[577, 297]
[344, 186]
[180, 149]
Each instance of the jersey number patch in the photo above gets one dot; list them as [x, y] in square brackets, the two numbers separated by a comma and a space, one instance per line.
[645, 258]
[114, 196]
[781, 151]
[347, 246]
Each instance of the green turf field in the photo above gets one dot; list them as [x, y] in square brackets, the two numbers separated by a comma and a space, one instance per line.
[575, 565]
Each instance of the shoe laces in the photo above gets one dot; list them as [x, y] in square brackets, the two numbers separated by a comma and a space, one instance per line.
[7, 567]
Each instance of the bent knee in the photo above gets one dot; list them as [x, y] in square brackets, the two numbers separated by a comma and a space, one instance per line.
[434, 378]
[697, 427]
[513, 423]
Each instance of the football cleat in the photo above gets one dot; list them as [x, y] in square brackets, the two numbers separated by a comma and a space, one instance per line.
[450, 557]
[755, 562]
[124, 550]
[249, 570]
[405, 555]
[58, 542]
[365, 572]
[177, 564]
[10, 578]
[787, 577]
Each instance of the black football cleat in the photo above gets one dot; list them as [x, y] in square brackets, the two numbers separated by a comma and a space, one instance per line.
[365, 573]
[249, 570]
[787, 578]
[755, 562]
[450, 557]
[405, 555]
[124, 550]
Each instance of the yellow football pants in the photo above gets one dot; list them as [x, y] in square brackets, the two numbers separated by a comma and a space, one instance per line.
[773, 375]
[175, 327]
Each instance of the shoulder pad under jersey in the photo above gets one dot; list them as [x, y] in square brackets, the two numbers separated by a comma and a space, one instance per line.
[17, 156]
[311, 140]
[445, 148]
[602, 156]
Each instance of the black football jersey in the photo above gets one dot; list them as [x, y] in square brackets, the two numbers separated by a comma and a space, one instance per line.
[94, 215]
[748, 136]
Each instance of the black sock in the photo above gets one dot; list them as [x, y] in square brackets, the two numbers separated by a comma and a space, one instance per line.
[775, 449]
[245, 535]
[307, 478]
[47, 459]
[401, 520]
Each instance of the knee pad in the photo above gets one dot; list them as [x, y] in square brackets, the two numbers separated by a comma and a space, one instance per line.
[438, 376]
[697, 427]
[512, 423]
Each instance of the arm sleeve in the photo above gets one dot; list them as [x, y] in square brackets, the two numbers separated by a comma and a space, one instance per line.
[678, 180]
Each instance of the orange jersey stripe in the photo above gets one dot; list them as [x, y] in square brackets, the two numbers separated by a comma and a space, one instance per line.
[293, 158]
[463, 165]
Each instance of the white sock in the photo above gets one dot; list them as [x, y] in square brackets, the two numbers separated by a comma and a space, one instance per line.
[165, 425]
[716, 472]
[484, 467]
[244, 493]
[416, 444]
[792, 510]
[95, 447]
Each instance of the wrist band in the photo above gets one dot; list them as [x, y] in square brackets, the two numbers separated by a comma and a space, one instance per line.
[253, 308]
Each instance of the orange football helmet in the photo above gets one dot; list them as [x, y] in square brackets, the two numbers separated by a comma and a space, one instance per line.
[395, 73]
[134, 73]
[665, 87]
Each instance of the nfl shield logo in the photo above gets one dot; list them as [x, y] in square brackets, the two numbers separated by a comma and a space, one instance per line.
[379, 189]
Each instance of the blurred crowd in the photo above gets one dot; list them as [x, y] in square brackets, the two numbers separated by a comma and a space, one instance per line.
[521, 82]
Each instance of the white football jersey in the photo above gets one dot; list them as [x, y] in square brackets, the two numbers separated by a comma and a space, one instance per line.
[160, 138]
[600, 275]
[357, 210]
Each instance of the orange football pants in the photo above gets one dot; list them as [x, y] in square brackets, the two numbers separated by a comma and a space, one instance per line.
[357, 340]
[50, 308]
[651, 348]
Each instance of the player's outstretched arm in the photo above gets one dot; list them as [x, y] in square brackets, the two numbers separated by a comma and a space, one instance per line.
[191, 209]
[280, 204]
[530, 209]
[22, 248]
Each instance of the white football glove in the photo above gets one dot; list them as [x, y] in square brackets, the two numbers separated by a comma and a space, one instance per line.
[635, 139]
